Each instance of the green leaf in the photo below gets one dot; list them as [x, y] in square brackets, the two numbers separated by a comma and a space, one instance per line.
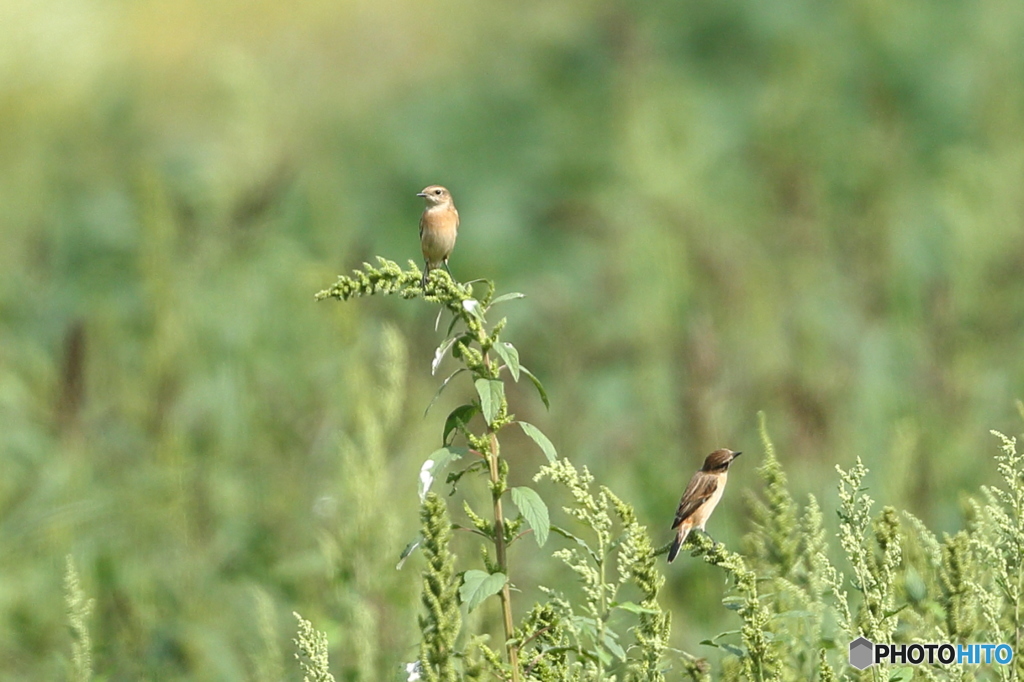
[441, 388]
[510, 355]
[539, 386]
[507, 297]
[613, 645]
[533, 509]
[491, 392]
[733, 603]
[632, 607]
[472, 306]
[409, 549]
[438, 460]
[735, 650]
[479, 585]
[441, 351]
[451, 325]
[579, 541]
[540, 439]
[586, 626]
[460, 415]
[728, 633]
[442, 457]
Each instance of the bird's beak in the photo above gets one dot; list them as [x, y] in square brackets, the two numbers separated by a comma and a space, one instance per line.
[736, 454]
[421, 194]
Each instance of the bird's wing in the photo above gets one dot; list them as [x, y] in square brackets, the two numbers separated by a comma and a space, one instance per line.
[701, 487]
[423, 217]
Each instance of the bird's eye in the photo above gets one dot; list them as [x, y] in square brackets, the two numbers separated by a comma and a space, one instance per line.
[437, 191]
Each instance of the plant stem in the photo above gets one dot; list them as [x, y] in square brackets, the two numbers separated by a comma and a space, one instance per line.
[602, 605]
[499, 548]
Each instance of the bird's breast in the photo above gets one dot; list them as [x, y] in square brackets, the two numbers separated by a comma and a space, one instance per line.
[703, 513]
[438, 228]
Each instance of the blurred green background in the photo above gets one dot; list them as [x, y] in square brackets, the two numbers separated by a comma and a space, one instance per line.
[714, 208]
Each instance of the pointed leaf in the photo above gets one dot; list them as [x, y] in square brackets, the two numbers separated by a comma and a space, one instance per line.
[437, 461]
[539, 386]
[540, 439]
[735, 650]
[491, 392]
[633, 607]
[440, 353]
[409, 549]
[587, 626]
[472, 306]
[441, 388]
[510, 355]
[613, 645]
[533, 509]
[479, 585]
[733, 603]
[579, 541]
[460, 415]
[426, 479]
[442, 457]
[507, 297]
[451, 325]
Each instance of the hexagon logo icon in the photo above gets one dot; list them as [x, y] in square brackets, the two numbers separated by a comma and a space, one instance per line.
[862, 653]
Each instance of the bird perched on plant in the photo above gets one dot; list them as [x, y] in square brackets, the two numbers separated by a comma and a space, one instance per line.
[439, 225]
[701, 497]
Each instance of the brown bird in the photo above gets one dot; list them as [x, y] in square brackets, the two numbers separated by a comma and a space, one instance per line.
[439, 225]
[701, 497]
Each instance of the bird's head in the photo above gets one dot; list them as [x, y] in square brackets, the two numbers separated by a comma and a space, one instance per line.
[435, 195]
[719, 460]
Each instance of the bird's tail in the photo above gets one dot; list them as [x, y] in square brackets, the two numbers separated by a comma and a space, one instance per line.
[674, 549]
[677, 543]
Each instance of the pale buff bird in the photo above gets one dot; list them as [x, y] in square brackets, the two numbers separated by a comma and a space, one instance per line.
[439, 226]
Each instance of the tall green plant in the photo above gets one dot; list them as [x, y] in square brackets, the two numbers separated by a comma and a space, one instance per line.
[562, 640]
[893, 581]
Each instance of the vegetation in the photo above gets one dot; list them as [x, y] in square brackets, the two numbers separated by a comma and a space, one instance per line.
[712, 209]
[785, 634]
[558, 639]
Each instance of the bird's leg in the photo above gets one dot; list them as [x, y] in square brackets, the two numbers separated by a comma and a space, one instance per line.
[445, 261]
[426, 273]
